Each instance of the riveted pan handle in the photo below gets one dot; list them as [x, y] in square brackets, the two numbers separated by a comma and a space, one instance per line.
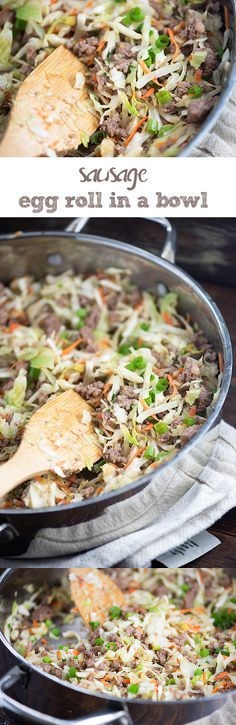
[169, 247]
[18, 675]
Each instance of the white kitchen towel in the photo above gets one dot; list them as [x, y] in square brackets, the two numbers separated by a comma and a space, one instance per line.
[221, 141]
[225, 716]
[180, 502]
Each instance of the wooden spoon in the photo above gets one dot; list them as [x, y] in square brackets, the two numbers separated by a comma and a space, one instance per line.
[59, 437]
[50, 112]
[94, 593]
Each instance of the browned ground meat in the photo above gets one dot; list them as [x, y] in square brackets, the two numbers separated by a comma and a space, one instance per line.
[199, 108]
[204, 400]
[182, 88]
[191, 595]
[89, 491]
[126, 398]
[6, 16]
[194, 25]
[188, 433]
[86, 48]
[4, 315]
[162, 656]
[123, 56]
[42, 612]
[50, 323]
[191, 370]
[90, 391]
[210, 63]
[113, 127]
[116, 455]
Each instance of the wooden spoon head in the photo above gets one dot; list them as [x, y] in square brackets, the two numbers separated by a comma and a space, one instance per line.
[94, 593]
[50, 111]
[62, 433]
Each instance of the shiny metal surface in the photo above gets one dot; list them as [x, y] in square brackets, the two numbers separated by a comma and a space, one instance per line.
[52, 253]
[139, 712]
[55, 252]
[230, 81]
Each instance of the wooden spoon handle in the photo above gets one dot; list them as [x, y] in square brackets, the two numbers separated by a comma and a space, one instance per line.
[18, 142]
[19, 469]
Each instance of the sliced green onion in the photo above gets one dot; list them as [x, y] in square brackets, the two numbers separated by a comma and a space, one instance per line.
[99, 641]
[133, 689]
[150, 453]
[162, 384]
[114, 612]
[152, 127]
[166, 129]
[134, 16]
[56, 631]
[94, 625]
[189, 420]
[82, 312]
[124, 349]
[162, 41]
[71, 672]
[195, 91]
[161, 428]
[163, 96]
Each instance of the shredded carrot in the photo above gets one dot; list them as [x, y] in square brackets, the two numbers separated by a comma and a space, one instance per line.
[148, 426]
[135, 129]
[223, 686]
[179, 26]
[43, 640]
[101, 45]
[167, 318]
[204, 678]
[148, 93]
[192, 410]
[198, 75]
[226, 17]
[75, 652]
[223, 676]
[35, 623]
[13, 326]
[193, 609]
[220, 359]
[174, 41]
[72, 346]
[173, 384]
[106, 388]
[144, 66]
[59, 654]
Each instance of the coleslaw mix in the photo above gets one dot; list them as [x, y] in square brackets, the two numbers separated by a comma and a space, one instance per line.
[173, 640]
[154, 68]
[149, 374]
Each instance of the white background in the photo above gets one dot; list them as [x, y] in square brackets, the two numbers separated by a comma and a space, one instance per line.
[28, 177]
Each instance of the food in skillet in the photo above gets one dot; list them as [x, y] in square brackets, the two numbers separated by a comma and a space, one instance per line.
[155, 68]
[173, 639]
[148, 372]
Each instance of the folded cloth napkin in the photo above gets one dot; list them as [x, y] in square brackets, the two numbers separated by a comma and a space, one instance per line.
[221, 141]
[225, 716]
[181, 501]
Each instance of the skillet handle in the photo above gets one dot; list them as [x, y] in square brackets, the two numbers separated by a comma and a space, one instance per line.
[18, 675]
[169, 247]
